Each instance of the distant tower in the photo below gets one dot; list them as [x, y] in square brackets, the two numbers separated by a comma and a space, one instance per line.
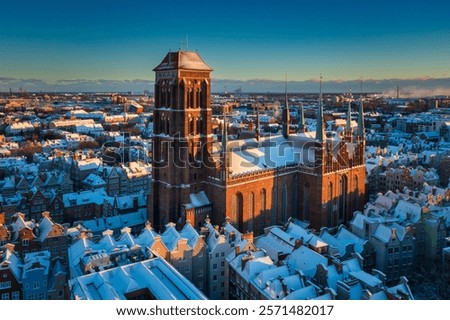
[319, 126]
[301, 120]
[258, 130]
[182, 139]
[361, 116]
[225, 155]
[348, 126]
[286, 116]
[320, 142]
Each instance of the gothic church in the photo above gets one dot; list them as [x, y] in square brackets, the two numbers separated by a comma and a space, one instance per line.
[318, 177]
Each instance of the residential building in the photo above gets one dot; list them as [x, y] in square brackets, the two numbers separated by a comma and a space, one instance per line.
[152, 279]
[10, 274]
[36, 272]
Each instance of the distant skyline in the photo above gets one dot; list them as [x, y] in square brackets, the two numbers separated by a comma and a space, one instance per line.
[48, 45]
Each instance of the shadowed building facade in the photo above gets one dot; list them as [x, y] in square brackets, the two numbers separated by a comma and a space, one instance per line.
[316, 176]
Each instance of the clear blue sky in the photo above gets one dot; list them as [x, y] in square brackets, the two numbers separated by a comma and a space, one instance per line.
[124, 40]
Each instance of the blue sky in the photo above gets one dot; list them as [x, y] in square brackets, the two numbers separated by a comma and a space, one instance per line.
[51, 41]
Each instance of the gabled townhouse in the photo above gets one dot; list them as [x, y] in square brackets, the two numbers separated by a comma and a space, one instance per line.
[344, 244]
[111, 177]
[221, 242]
[52, 238]
[84, 205]
[394, 245]
[187, 252]
[81, 169]
[36, 272]
[10, 274]
[22, 235]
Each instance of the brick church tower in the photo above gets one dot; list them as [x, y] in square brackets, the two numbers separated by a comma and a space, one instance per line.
[317, 177]
[182, 133]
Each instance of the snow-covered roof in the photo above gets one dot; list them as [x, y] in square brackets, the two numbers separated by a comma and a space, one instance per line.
[119, 221]
[334, 244]
[367, 279]
[263, 278]
[183, 60]
[310, 238]
[306, 293]
[170, 237]
[276, 242]
[198, 200]
[94, 180]
[279, 154]
[347, 237]
[45, 226]
[407, 211]
[9, 259]
[86, 197]
[249, 264]
[34, 260]
[189, 233]
[147, 236]
[385, 233]
[156, 275]
[305, 260]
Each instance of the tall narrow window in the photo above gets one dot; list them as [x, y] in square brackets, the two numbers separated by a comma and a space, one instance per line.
[342, 198]
[330, 205]
[274, 205]
[167, 128]
[191, 98]
[203, 94]
[294, 206]
[306, 202]
[284, 204]
[262, 212]
[251, 211]
[236, 210]
[355, 194]
[191, 126]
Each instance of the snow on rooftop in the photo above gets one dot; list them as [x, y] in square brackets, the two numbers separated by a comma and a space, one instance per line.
[347, 237]
[117, 222]
[33, 260]
[407, 211]
[367, 278]
[198, 200]
[305, 260]
[147, 237]
[45, 226]
[183, 60]
[276, 243]
[269, 157]
[333, 243]
[9, 258]
[306, 293]
[170, 237]
[298, 232]
[190, 234]
[86, 197]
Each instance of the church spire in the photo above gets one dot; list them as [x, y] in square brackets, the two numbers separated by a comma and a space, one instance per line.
[319, 126]
[286, 112]
[361, 114]
[258, 131]
[348, 125]
[301, 120]
[224, 132]
[224, 145]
